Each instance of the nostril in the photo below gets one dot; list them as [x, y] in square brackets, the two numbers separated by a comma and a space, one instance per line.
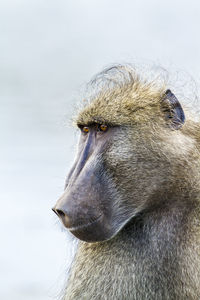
[63, 215]
[60, 213]
[54, 210]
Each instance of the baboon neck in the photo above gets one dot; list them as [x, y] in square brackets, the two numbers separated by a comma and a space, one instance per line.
[149, 256]
[171, 217]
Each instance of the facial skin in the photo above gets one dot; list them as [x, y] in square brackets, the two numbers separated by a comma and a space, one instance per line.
[82, 207]
[90, 206]
[115, 174]
[93, 206]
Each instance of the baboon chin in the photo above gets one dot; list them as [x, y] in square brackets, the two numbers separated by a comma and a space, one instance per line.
[135, 187]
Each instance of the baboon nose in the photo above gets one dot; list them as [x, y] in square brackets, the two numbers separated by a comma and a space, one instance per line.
[62, 214]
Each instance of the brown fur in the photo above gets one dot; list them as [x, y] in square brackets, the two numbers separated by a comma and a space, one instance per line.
[153, 172]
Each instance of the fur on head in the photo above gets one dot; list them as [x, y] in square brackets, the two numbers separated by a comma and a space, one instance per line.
[121, 92]
[143, 159]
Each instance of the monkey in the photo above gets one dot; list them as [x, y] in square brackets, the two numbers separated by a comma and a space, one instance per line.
[132, 197]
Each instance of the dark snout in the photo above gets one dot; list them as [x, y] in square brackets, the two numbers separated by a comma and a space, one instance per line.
[75, 213]
[81, 208]
[83, 220]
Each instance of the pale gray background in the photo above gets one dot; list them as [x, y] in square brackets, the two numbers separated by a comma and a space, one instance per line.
[48, 50]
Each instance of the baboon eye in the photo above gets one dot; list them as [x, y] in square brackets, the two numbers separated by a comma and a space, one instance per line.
[103, 127]
[85, 129]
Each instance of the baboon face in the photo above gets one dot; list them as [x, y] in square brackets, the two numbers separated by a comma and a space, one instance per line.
[116, 174]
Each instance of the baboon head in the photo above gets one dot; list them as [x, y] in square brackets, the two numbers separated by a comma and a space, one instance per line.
[131, 148]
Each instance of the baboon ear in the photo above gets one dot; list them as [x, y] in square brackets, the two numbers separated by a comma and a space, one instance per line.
[173, 110]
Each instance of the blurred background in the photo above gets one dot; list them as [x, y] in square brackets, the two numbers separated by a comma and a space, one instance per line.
[48, 51]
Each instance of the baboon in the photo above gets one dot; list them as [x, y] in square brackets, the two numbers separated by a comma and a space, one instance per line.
[133, 194]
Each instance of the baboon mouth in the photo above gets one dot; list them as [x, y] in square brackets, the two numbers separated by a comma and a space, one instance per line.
[84, 226]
